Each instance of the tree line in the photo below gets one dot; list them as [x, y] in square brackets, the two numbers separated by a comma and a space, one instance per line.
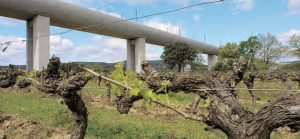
[264, 50]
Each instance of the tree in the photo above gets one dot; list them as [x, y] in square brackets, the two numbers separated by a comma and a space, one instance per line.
[227, 56]
[178, 55]
[270, 49]
[250, 47]
[294, 43]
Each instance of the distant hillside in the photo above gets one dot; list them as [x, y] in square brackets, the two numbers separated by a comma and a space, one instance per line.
[293, 66]
[17, 66]
[100, 66]
[158, 64]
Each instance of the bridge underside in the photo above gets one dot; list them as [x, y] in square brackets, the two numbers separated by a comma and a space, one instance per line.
[40, 14]
[38, 47]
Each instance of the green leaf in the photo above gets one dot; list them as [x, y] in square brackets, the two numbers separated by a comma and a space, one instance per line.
[150, 95]
[161, 89]
[134, 91]
[165, 83]
[148, 104]
[207, 102]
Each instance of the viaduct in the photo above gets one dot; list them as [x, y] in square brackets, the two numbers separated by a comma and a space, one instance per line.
[40, 14]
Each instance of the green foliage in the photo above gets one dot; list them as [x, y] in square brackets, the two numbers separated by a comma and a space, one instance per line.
[178, 55]
[294, 44]
[130, 79]
[261, 65]
[118, 75]
[294, 41]
[250, 47]
[228, 56]
[271, 49]
[198, 67]
[249, 50]
[205, 106]
[138, 87]
[31, 74]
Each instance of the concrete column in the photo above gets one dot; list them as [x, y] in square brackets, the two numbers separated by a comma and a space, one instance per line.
[136, 54]
[130, 55]
[211, 61]
[38, 45]
[29, 47]
[140, 54]
[187, 68]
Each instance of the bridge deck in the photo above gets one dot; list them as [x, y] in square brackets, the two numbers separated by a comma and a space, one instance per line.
[71, 16]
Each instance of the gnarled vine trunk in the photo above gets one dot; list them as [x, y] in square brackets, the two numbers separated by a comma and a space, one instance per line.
[8, 77]
[125, 102]
[225, 111]
[67, 88]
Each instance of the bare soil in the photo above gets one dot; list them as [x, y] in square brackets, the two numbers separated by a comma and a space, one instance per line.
[16, 127]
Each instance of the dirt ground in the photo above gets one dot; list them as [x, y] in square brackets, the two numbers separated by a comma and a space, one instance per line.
[18, 128]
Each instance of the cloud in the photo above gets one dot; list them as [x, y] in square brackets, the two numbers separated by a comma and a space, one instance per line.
[284, 37]
[101, 49]
[9, 21]
[169, 27]
[244, 5]
[153, 52]
[294, 7]
[196, 17]
[15, 53]
[97, 38]
[60, 46]
[113, 49]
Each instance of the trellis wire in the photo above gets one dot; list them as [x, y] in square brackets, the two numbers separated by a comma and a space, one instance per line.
[219, 89]
[245, 89]
[8, 43]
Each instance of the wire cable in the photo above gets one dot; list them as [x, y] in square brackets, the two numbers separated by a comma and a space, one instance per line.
[8, 43]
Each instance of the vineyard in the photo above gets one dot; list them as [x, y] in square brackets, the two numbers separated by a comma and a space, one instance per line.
[77, 102]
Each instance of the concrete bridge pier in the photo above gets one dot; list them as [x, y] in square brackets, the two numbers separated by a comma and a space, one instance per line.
[211, 61]
[38, 43]
[136, 54]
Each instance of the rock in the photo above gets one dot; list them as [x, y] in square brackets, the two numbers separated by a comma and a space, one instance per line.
[24, 83]
[2, 135]
[6, 124]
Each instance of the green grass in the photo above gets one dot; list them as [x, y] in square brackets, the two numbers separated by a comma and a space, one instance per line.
[104, 124]
[265, 96]
[109, 124]
[36, 107]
